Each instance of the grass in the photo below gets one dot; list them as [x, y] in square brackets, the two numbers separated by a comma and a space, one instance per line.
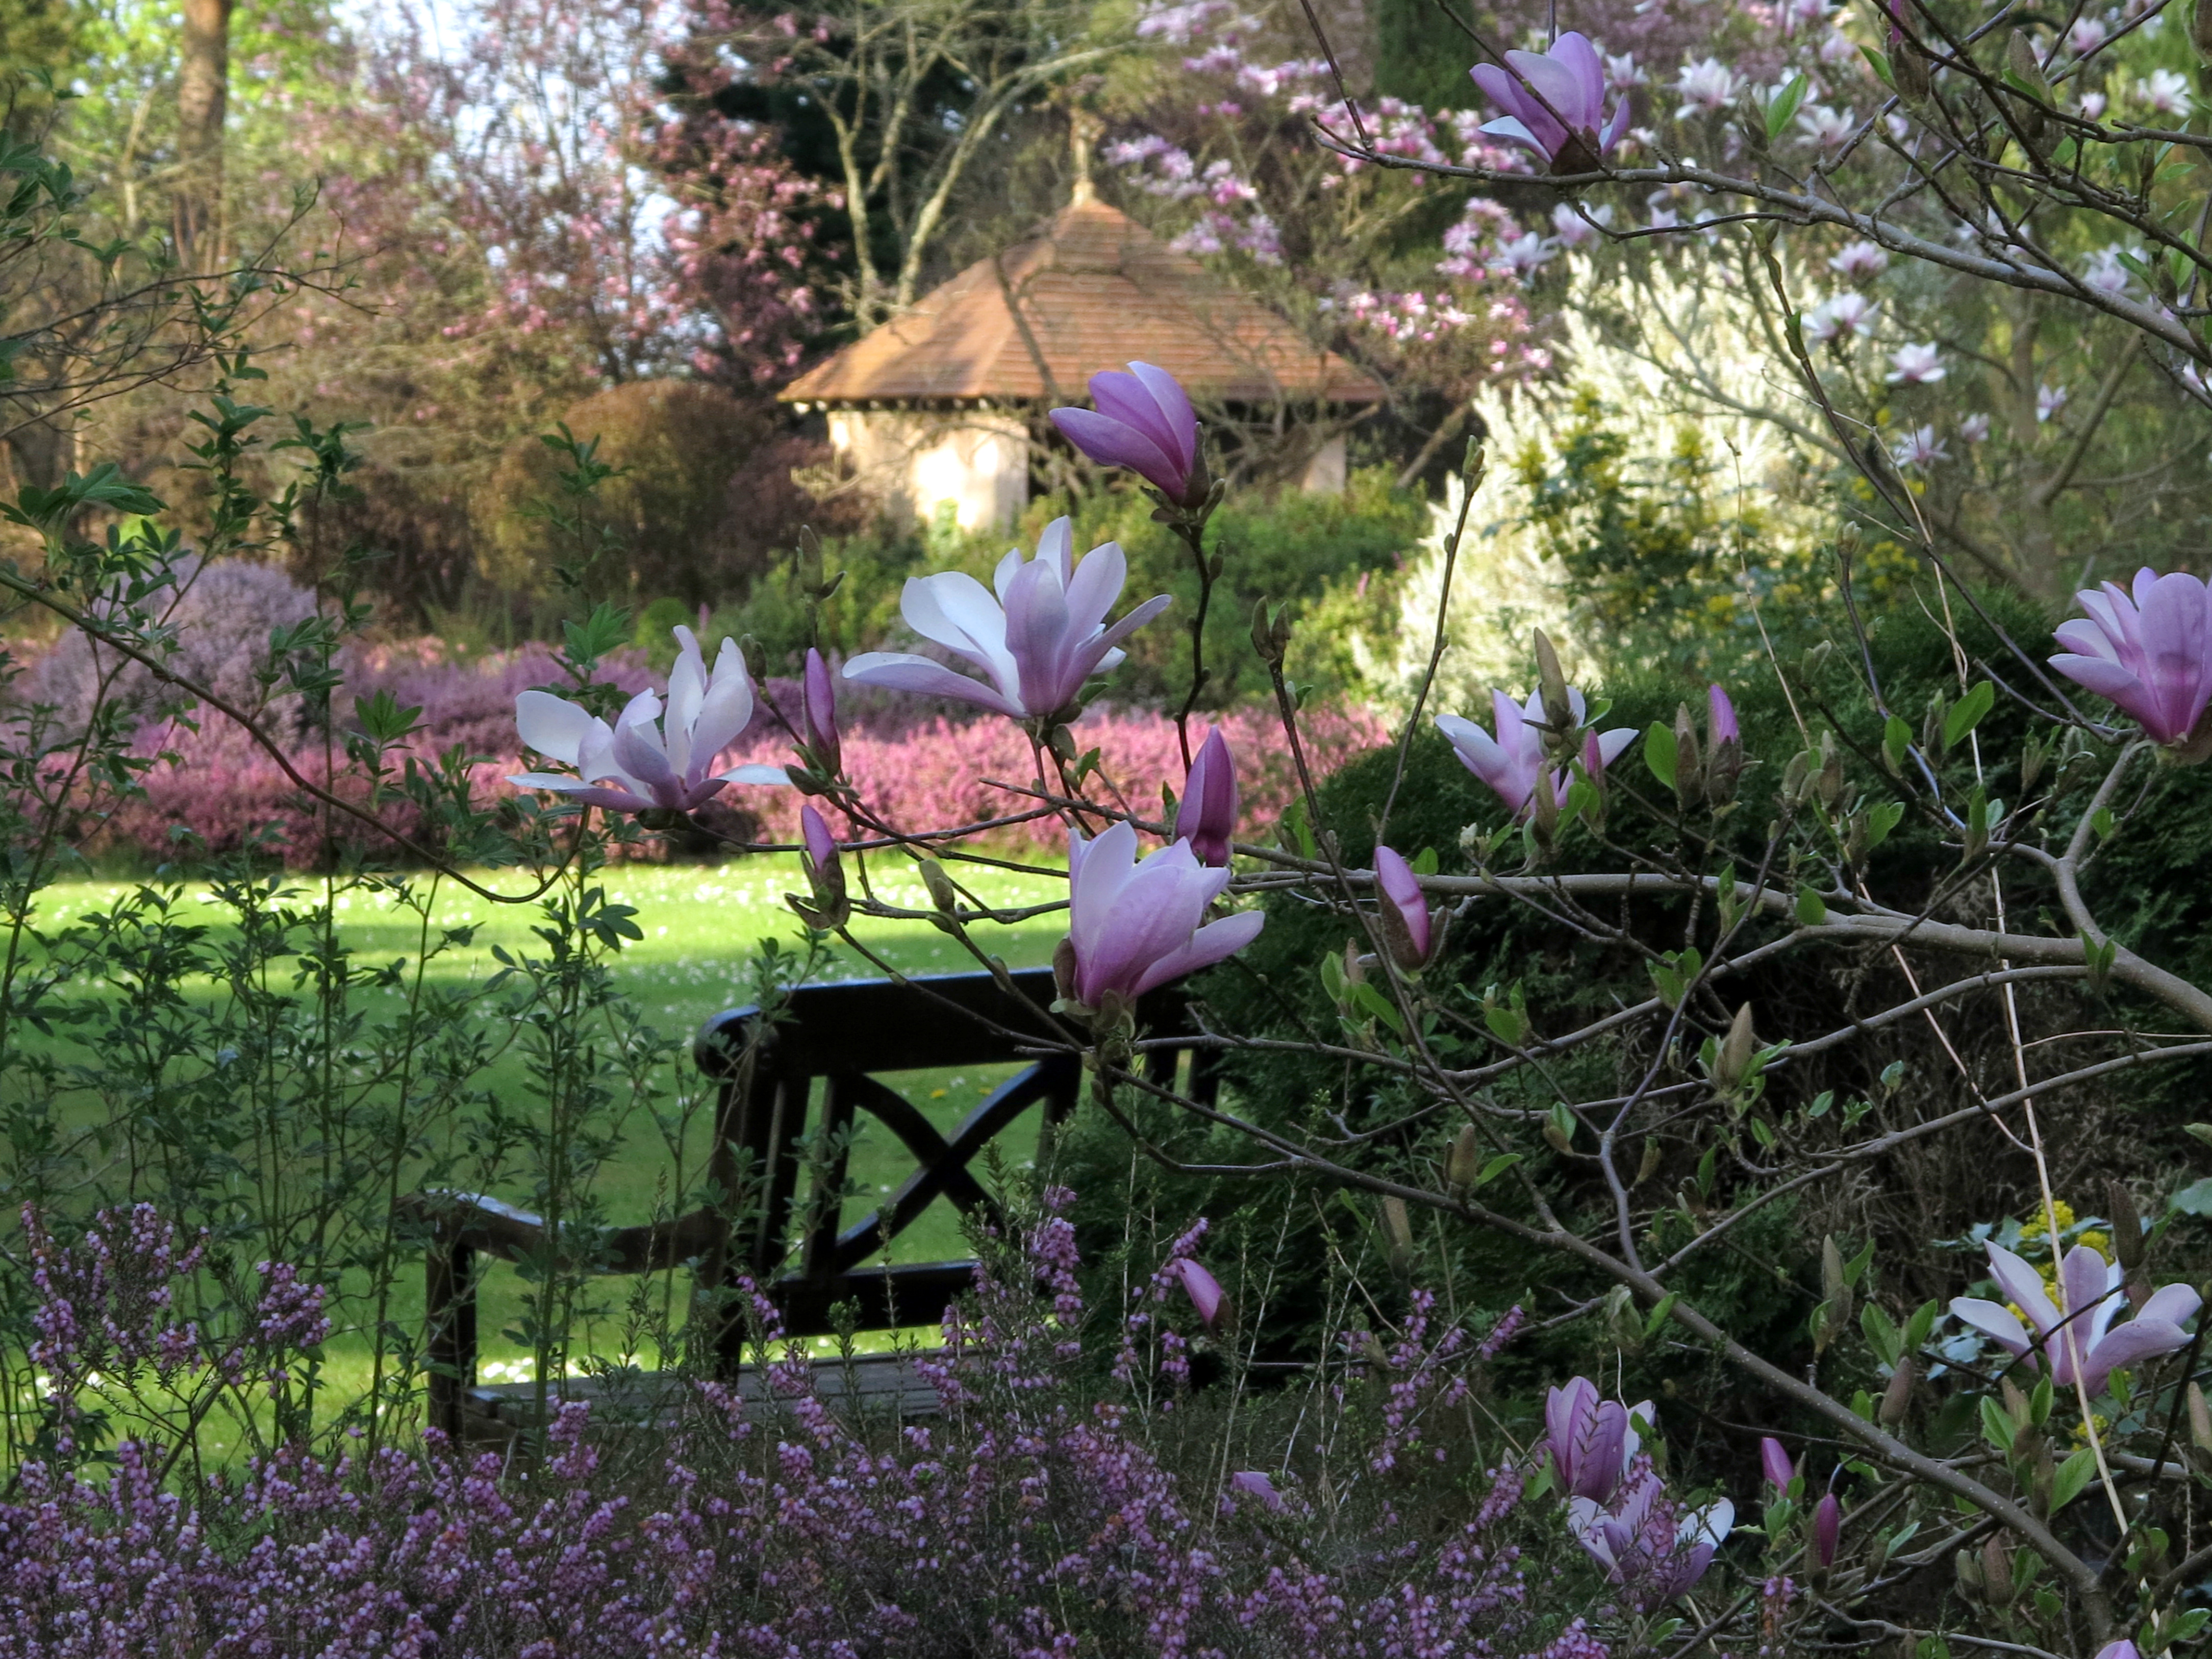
[700, 923]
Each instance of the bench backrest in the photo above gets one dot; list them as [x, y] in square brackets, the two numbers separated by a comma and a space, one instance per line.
[808, 1257]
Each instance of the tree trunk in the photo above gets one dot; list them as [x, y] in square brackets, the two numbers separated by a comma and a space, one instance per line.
[203, 93]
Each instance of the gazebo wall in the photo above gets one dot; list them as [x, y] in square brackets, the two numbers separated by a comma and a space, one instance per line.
[913, 460]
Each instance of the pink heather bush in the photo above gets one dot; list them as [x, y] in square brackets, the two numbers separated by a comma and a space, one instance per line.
[1025, 1522]
[921, 769]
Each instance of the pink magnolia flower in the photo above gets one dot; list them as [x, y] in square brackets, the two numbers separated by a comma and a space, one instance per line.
[1915, 365]
[1846, 313]
[1720, 717]
[1511, 762]
[2121, 1648]
[1553, 104]
[2081, 1341]
[1574, 228]
[1774, 1463]
[1829, 128]
[1858, 259]
[1039, 640]
[1134, 924]
[821, 847]
[1975, 429]
[1254, 1484]
[1644, 1544]
[1920, 447]
[1593, 1441]
[2149, 651]
[1827, 1529]
[1414, 937]
[1203, 1288]
[1207, 816]
[818, 702]
[647, 759]
[2048, 400]
[1144, 422]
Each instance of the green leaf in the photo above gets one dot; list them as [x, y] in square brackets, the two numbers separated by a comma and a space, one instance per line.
[1967, 714]
[1784, 105]
[1372, 1001]
[1896, 743]
[1497, 1167]
[2073, 1477]
[1882, 818]
[1879, 62]
[1882, 1334]
[1661, 754]
[1917, 1327]
[1854, 1269]
[1998, 1428]
[1812, 909]
[1423, 863]
[1659, 1314]
[2195, 1198]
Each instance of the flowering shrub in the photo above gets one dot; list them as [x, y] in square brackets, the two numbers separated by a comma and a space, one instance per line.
[1025, 1520]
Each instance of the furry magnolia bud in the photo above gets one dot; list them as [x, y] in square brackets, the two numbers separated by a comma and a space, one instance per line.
[2200, 28]
[1398, 1233]
[1996, 1571]
[1551, 683]
[1896, 1398]
[2127, 1227]
[2200, 1420]
[1464, 1162]
[1737, 1050]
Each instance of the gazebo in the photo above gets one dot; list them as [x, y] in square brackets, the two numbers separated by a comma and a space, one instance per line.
[938, 406]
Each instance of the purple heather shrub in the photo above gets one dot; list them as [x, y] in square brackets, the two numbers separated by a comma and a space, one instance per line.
[220, 615]
[1027, 1519]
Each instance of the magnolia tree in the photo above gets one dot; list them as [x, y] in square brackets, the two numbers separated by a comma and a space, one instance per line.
[1712, 863]
[1918, 194]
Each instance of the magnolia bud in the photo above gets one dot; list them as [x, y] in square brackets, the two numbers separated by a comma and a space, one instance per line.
[1397, 1232]
[1969, 1571]
[2200, 1420]
[1544, 809]
[2127, 1225]
[2020, 65]
[1653, 1153]
[1835, 1287]
[1552, 682]
[942, 893]
[1996, 1569]
[1688, 765]
[1828, 784]
[1896, 1398]
[1064, 969]
[1464, 1162]
[2200, 28]
[1732, 1063]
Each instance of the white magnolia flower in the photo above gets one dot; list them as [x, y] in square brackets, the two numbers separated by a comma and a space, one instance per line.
[1705, 85]
[2048, 400]
[1828, 127]
[1921, 447]
[1860, 259]
[1975, 429]
[2165, 92]
[1042, 635]
[1915, 365]
[649, 758]
[1846, 314]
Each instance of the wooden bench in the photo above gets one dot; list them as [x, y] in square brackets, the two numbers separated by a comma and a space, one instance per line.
[813, 1068]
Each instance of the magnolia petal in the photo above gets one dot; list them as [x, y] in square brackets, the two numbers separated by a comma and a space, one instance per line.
[1993, 1320]
[900, 671]
[552, 725]
[2023, 1286]
[754, 774]
[1215, 942]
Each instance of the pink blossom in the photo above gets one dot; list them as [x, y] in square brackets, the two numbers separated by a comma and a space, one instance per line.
[1144, 422]
[2148, 651]
[1553, 103]
[2081, 1341]
[1512, 761]
[1207, 816]
[1915, 365]
[1134, 924]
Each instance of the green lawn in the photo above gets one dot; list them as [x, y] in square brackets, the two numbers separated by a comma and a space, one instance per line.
[700, 924]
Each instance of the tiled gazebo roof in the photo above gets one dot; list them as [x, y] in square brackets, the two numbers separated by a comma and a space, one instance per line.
[1095, 291]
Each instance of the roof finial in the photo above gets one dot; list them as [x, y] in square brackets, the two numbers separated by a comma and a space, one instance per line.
[1083, 130]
